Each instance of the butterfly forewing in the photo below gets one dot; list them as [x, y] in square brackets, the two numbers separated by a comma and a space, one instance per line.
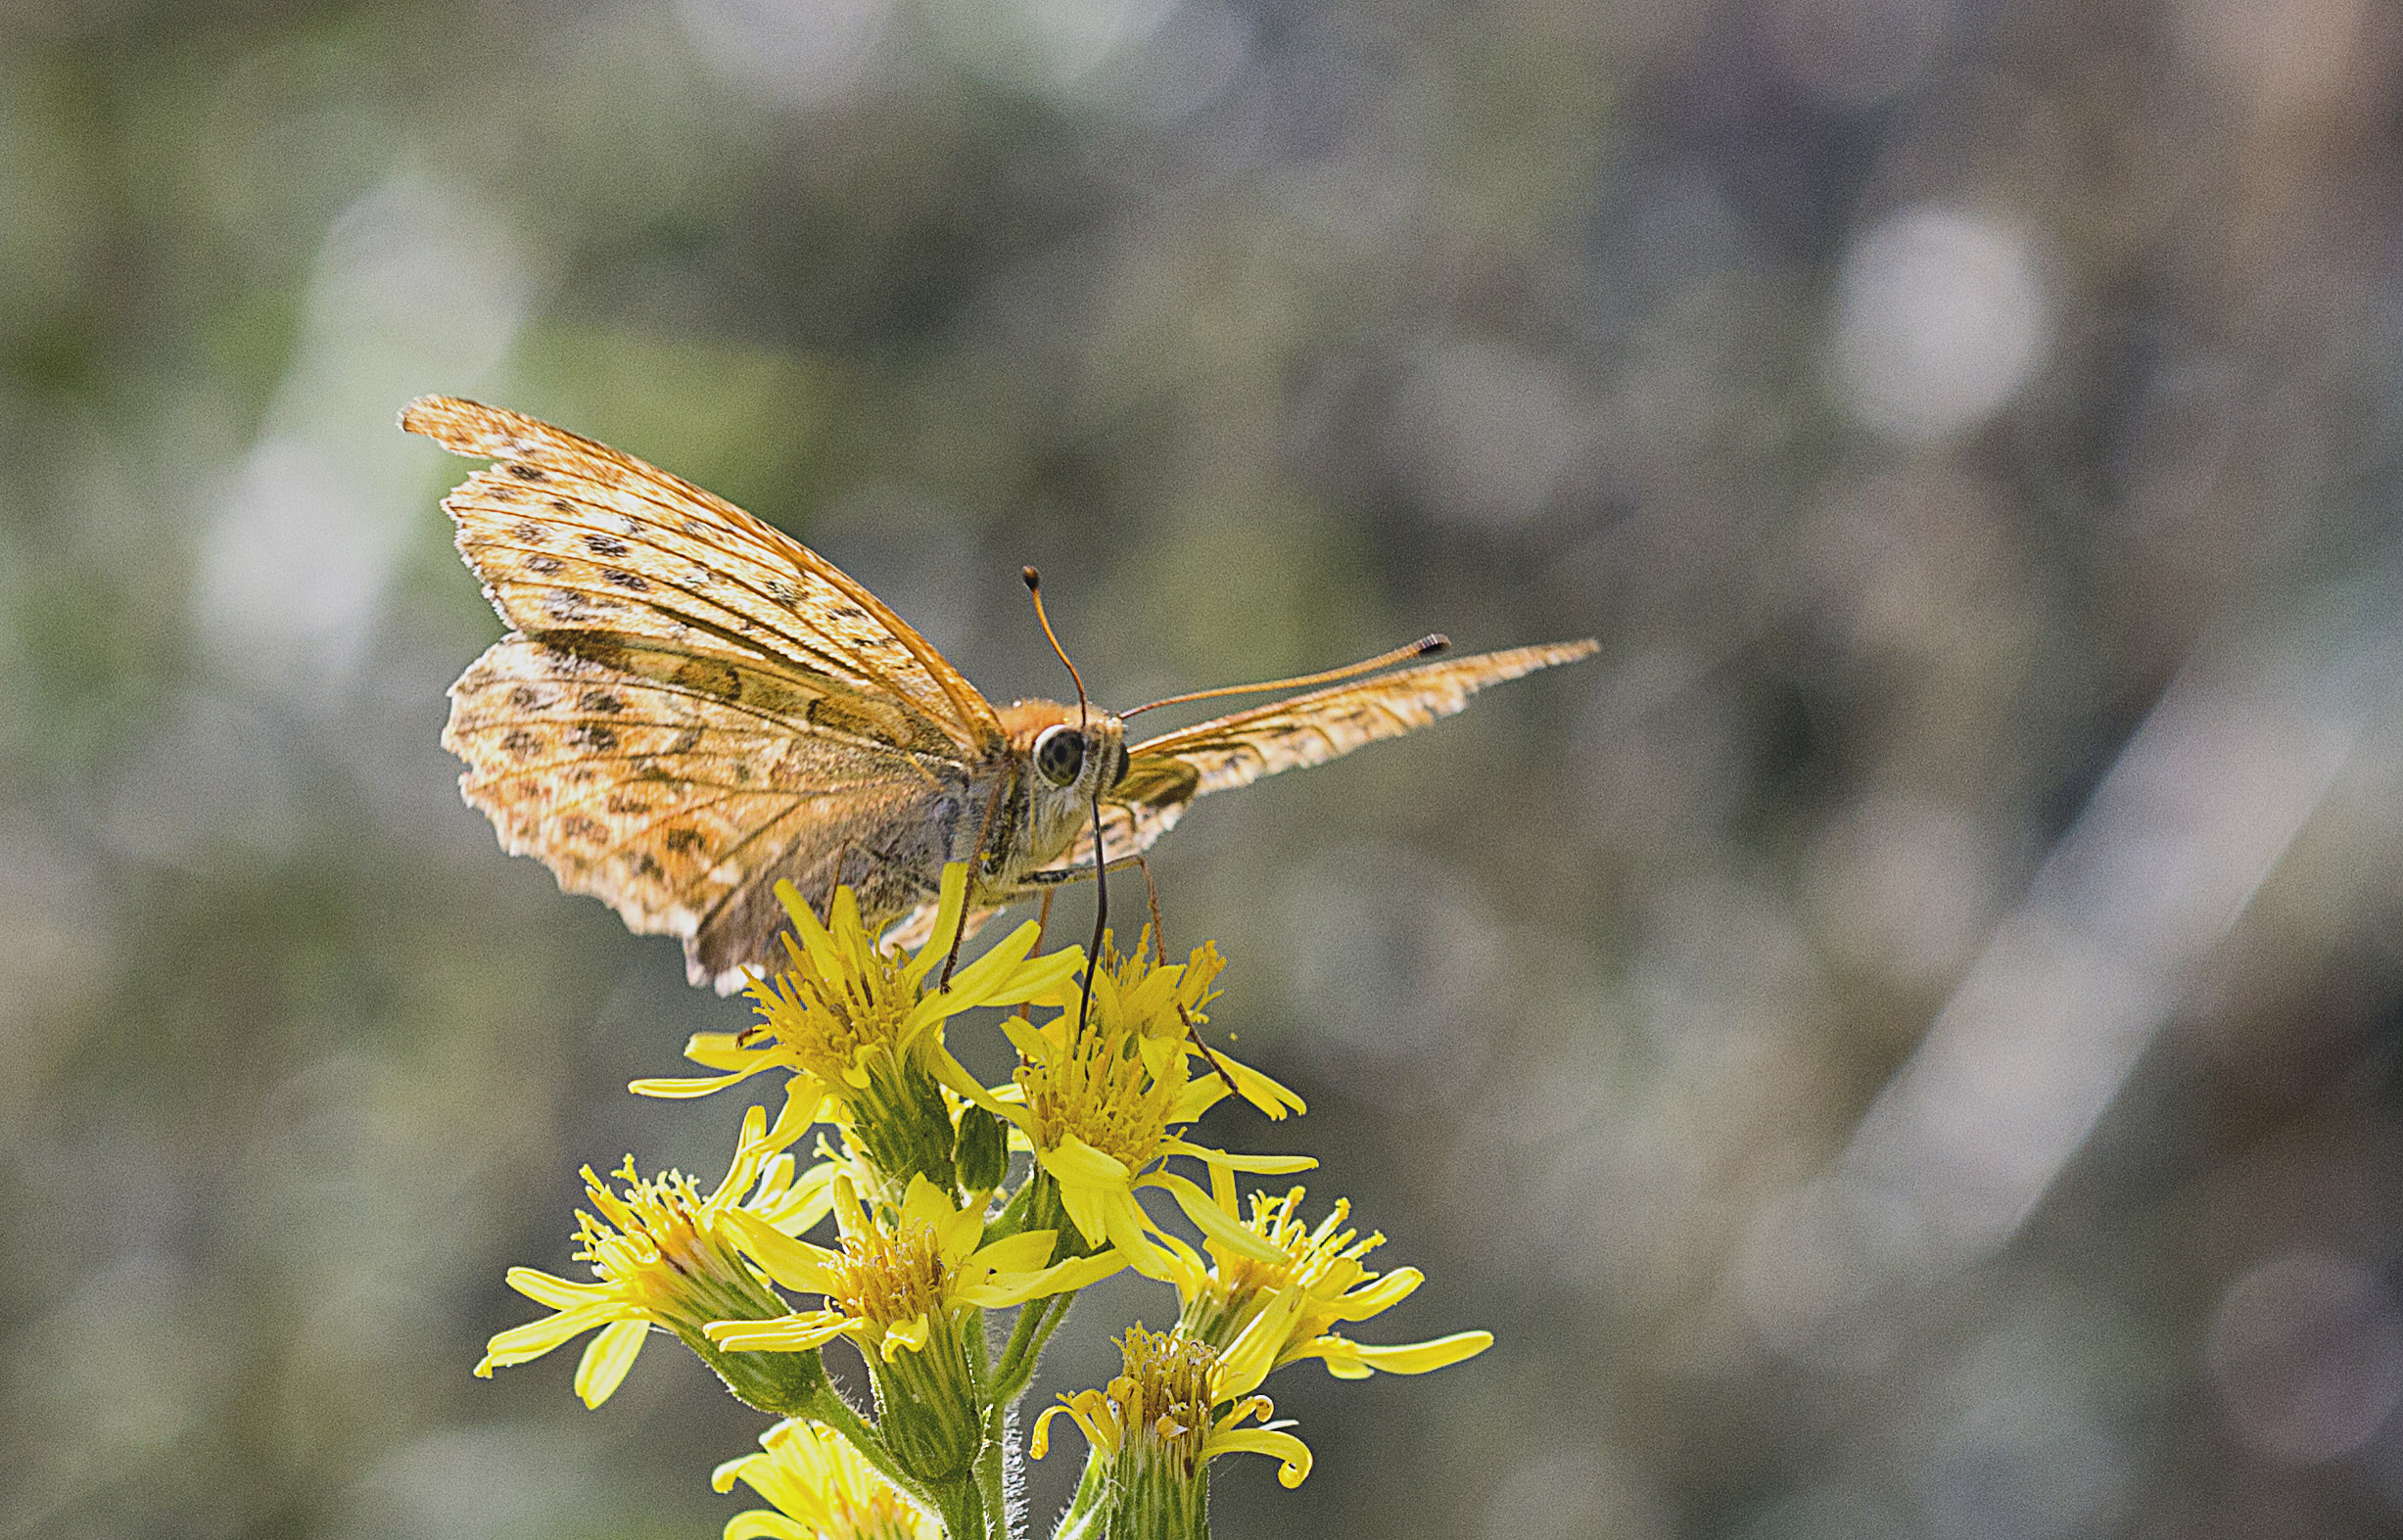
[1310, 729]
[572, 536]
[1165, 774]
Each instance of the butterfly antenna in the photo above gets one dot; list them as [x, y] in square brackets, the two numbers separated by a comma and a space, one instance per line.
[1435, 643]
[1101, 862]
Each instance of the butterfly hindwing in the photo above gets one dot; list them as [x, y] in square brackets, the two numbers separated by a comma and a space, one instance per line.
[670, 802]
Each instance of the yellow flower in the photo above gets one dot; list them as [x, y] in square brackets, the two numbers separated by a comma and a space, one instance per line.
[823, 1490]
[904, 1288]
[892, 1282]
[1159, 1417]
[1312, 1281]
[663, 1257]
[860, 1032]
[1103, 1100]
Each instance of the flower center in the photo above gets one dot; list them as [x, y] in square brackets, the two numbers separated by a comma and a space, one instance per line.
[826, 1023]
[1101, 1092]
[892, 1277]
[1164, 1393]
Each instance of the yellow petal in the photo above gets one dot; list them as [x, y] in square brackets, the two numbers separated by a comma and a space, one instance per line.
[1022, 1252]
[1259, 1089]
[922, 1204]
[1417, 1358]
[911, 1334]
[605, 1361]
[1078, 1164]
[728, 1471]
[1128, 1228]
[682, 1089]
[1255, 1350]
[950, 905]
[532, 1340]
[1293, 1454]
[785, 1334]
[759, 1524]
[1215, 1222]
[1086, 1208]
[557, 1292]
[1382, 1295]
[795, 1264]
[1061, 1278]
[805, 1103]
[725, 1050]
[1263, 1165]
[976, 984]
[1041, 1443]
[1032, 1046]
[954, 1076]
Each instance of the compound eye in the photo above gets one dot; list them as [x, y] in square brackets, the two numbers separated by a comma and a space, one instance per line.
[1059, 752]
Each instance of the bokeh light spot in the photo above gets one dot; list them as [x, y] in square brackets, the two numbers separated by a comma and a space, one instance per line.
[1941, 316]
[2307, 1353]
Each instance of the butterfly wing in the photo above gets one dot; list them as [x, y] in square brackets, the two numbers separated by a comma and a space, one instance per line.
[1164, 774]
[573, 537]
[692, 705]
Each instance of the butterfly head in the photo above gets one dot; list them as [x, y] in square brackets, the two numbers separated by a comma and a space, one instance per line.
[1071, 762]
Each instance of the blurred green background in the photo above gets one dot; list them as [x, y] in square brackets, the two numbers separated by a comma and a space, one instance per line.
[1903, 1044]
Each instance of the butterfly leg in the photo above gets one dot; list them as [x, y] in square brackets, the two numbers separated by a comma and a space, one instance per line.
[1160, 958]
[1050, 877]
[984, 828]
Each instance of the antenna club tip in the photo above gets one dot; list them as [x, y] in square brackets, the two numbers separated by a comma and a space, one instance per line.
[1432, 641]
[1033, 578]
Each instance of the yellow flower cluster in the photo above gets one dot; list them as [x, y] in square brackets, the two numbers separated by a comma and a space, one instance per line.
[930, 1234]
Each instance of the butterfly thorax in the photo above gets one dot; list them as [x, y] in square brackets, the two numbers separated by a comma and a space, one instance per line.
[1042, 815]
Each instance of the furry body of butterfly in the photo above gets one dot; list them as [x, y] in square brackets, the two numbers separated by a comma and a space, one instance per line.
[691, 707]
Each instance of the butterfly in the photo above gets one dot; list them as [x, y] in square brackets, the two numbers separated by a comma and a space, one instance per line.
[691, 706]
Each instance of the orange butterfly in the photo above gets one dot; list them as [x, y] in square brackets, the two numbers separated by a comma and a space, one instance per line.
[691, 706]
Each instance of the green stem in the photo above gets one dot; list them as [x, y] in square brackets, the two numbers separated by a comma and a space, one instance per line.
[828, 1409]
[988, 1476]
[1037, 1319]
[1081, 1516]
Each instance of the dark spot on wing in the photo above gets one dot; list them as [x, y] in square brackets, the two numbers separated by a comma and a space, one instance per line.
[525, 697]
[522, 741]
[601, 701]
[606, 546]
[593, 735]
[526, 473]
[683, 842]
[620, 578]
[545, 565]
